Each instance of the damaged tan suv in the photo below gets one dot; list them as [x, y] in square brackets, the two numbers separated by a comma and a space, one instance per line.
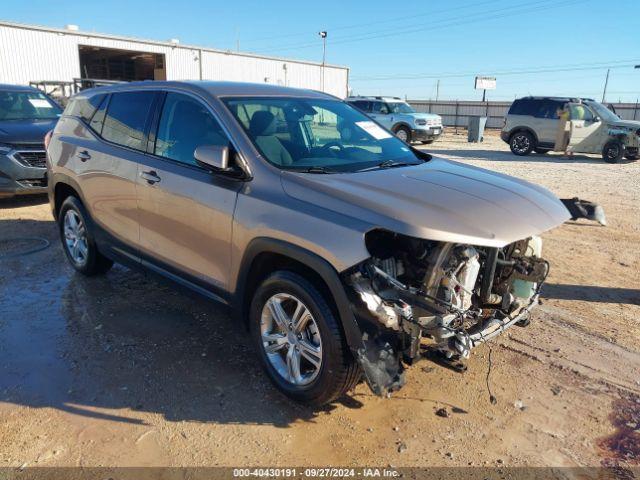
[346, 252]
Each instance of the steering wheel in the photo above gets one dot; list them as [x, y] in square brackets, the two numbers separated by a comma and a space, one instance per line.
[333, 143]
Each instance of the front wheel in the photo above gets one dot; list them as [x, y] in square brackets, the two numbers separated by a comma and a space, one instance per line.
[299, 340]
[77, 240]
[632, 154]
[403, 134]
[522, 143]
[613, 151]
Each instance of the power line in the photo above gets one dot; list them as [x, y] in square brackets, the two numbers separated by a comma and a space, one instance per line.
[386, 21]
[546, 69]
[526, 7]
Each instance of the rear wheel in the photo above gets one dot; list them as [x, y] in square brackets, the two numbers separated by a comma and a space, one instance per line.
[522, 143]
[403, 133]
[613, 151]
[77, 239]
[299, 340]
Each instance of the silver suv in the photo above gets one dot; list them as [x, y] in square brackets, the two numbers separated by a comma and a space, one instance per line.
[342, 249]
[400, 118]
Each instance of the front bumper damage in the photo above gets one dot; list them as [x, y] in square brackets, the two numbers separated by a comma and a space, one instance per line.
[437, 297]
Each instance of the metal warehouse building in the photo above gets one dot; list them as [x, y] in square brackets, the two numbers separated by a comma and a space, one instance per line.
[34, 53]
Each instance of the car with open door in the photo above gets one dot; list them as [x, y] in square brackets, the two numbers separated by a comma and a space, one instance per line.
[532, 122]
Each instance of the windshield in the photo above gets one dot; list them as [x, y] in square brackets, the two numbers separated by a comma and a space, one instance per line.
[400, 107]
[603, 112]
[27, 106]
[321, 136]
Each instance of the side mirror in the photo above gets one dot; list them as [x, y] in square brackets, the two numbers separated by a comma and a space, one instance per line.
[213, 157]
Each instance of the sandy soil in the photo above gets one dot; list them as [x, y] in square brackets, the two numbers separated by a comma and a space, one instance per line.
[121, 370]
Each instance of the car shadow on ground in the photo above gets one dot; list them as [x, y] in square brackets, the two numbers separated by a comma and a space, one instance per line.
[115, 345]
[591, 293]
[22, 201]
[502, 156]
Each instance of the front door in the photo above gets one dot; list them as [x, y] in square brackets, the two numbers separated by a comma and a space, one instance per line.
[380, 113]
[185, 211]
[586, 132]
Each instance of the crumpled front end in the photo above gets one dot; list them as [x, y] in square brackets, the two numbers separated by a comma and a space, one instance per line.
[414, 294]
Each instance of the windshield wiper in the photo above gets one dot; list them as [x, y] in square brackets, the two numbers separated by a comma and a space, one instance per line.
[388, 164]
[318, 169]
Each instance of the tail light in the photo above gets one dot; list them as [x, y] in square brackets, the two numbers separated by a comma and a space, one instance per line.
[47, 139]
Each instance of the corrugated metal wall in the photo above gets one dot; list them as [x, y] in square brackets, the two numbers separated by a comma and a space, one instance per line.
[457, 113]
[34, 53]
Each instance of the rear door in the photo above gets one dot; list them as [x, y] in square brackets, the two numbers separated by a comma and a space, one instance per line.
[546, 120]
[185, 211]
[107, 168]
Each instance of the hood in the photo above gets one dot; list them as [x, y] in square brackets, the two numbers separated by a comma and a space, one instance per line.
[25, 131]
[633, 124]
[438, 200]
[426, 116]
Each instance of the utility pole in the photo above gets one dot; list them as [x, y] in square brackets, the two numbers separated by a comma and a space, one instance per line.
[323, 35]
[437, 89]
[606, 82]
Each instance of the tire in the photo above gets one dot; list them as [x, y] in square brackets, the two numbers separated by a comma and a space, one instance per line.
[86, 258]
[428, 142]
[522, 143]
[403, 133]
[541, 151]
[613, 151]
[632, 154]
[337, 372]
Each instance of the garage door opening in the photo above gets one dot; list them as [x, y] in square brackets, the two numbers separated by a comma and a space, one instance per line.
[124, 65]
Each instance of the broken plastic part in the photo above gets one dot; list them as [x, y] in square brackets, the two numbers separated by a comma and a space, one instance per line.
[381, 365]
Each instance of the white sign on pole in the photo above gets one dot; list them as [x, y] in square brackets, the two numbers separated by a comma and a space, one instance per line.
[485, 83]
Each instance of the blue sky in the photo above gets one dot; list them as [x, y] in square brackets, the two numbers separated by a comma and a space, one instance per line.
[550, 47]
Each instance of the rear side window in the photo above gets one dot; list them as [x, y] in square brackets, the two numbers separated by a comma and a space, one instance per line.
[186, 124]
[548, 109]
[362, 105]
[84, 107]
[126, 118]
[524, 106]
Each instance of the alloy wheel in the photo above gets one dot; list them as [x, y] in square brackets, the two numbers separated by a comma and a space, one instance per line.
[402, 135]
[520, 143]
[75, 237]
[291, 339]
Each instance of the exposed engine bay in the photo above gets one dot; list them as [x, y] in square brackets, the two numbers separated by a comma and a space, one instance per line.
[414, 294]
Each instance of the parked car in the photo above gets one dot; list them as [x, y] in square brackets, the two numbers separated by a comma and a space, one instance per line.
[532, 124]
[340, 246]
[400, 118]
[26, 115]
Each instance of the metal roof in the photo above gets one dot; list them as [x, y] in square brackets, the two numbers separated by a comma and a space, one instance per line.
[80, 33]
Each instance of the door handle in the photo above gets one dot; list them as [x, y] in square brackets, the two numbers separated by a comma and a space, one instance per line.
[151, 177]
[83, 156]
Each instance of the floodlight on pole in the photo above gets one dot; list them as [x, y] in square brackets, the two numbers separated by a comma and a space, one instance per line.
[323, 35]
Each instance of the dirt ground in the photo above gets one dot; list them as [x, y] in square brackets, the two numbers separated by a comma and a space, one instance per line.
[123, 371]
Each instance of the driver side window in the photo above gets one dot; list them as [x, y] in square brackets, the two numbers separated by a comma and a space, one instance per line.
[186, 124]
